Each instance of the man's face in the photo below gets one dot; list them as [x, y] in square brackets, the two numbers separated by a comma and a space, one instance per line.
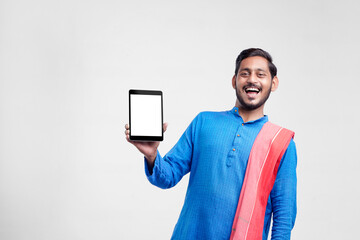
[253, 83]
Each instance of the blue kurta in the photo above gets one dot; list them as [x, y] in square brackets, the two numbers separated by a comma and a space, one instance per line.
[215, 149]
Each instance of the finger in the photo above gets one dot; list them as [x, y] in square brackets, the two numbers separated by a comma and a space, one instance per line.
[128, 139]
[127, 132]
[165, 125]
[126, 126]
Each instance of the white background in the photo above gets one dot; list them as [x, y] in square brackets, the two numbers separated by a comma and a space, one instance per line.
[66, 170]
[146, 115]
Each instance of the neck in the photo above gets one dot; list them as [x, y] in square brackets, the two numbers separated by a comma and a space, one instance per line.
[250, 115]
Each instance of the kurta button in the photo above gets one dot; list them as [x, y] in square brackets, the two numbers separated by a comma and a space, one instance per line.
[233, 149]
[238, 135]
[242, 124]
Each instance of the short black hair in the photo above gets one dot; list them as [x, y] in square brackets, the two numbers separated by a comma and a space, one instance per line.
[252, 52]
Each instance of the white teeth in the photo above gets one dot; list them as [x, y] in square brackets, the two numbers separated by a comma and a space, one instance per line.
[252, 89]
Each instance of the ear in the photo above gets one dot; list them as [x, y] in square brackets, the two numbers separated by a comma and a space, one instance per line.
[234, 81]
[274, 83]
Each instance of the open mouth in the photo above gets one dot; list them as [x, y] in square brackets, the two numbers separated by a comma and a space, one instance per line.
[252, 90]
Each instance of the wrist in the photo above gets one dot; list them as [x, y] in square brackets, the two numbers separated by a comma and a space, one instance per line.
[151, 158]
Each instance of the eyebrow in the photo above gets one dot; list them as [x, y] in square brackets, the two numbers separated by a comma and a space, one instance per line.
[249, 70]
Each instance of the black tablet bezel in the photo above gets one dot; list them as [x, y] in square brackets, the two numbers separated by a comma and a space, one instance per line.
[146, 138]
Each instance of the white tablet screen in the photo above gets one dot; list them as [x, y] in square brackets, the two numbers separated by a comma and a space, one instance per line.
[146, 115]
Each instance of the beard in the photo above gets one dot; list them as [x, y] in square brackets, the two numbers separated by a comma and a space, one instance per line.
[252, 106]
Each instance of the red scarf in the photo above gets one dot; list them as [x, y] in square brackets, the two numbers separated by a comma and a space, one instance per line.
[266, 153]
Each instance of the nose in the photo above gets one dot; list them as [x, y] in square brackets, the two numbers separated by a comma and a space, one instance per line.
[252, 78]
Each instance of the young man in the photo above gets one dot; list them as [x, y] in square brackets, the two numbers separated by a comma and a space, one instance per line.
[242, 168]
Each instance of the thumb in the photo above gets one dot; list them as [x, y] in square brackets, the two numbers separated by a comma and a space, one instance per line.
[165, 125]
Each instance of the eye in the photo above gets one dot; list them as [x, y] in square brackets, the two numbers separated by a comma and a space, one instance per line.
[244, 74]
[261, 74]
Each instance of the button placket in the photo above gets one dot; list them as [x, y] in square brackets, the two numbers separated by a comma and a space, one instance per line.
[233, 151]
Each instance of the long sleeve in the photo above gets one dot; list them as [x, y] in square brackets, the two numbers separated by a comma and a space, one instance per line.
[283, 195]
[170, 169]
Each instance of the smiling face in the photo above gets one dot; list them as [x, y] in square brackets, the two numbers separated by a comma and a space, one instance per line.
[253, 83]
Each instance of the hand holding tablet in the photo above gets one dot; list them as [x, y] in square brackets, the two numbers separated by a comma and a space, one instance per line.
[145, 136]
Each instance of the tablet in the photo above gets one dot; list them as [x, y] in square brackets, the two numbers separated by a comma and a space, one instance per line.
[146, 115]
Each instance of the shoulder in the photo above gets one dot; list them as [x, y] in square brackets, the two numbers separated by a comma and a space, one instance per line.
[212, 114]
[208, 118]
[277, 128]
[291, 148]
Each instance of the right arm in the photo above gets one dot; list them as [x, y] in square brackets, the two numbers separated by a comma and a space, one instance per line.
[167, 171]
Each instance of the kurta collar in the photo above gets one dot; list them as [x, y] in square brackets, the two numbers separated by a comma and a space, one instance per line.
[235, 111]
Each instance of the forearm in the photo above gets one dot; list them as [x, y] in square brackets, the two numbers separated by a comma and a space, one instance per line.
[283, 196]
[165, 172]
[284, 215]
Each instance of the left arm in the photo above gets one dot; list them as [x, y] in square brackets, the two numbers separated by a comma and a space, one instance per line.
[283, 195]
